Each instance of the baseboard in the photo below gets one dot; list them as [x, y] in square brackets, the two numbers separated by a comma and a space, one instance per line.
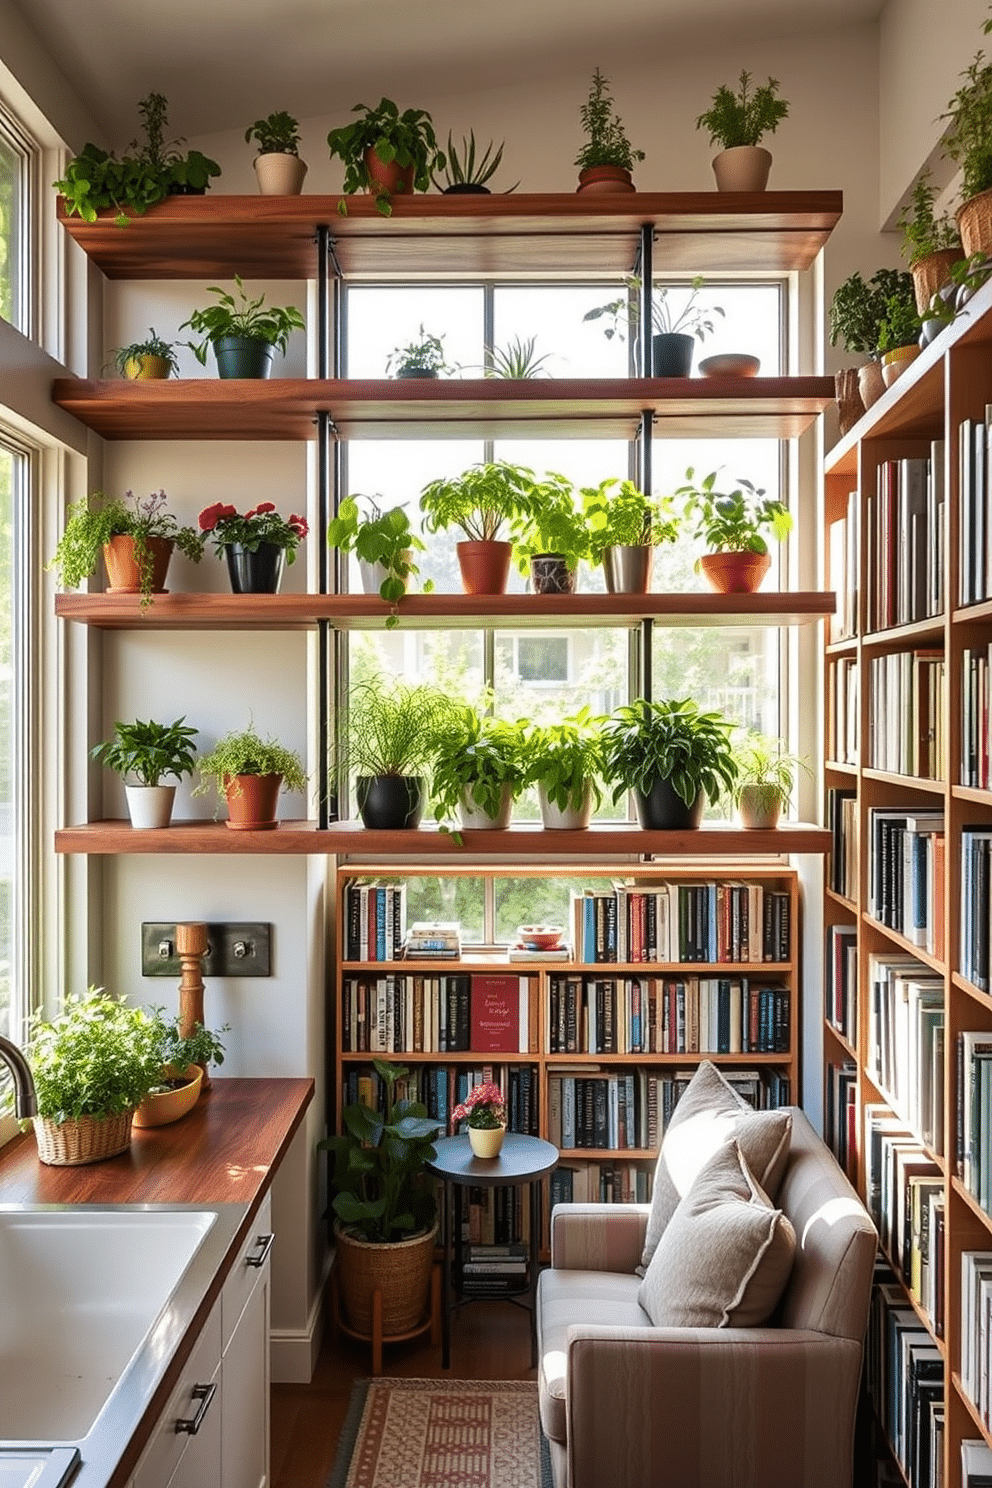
[293, 1353]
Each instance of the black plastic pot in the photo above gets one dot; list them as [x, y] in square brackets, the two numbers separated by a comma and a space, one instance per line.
[389, 803]
[243, 356]
[466, 188]
[254, 573]
[672, 354]
[663, 809]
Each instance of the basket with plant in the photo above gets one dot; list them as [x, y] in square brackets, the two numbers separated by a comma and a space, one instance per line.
[968, 142]
[135, 536]
[930, 243]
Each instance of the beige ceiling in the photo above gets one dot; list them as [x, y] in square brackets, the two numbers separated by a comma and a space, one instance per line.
[220, 62]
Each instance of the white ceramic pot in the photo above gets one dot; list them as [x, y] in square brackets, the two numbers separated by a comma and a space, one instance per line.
[279, 174]
[474, 819]
[743, 168]
[895, 362]
[569, 820]
[374, 575]
[150, 805]
[486, 1140]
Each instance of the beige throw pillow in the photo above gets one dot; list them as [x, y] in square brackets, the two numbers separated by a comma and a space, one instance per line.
[725, 1257]
[708, 1114]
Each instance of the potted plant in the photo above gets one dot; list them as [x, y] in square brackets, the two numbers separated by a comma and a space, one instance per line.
[255, 545]
[385, 1208]
[481, 502]
[479, 764]
[672, 756]
[389, 732]
[245, 334]
[384, 544]
[968, 142]
[625, 527]
[146, 752]
[931, 244]
[565, 762]
[730, 523]
[856, 313]
[423, 357]
[249, 772]
[675, 331]
[279, 170]
[899, 335]
[97, 179]
[737, 122]
[466, 171]
[135, 536]
[182, 1073]
[484, 1112]
[551, 538]
[386, 152]
[766, 776]
[607, 158]
[92, 1064]
[151, 359]
[518, 359]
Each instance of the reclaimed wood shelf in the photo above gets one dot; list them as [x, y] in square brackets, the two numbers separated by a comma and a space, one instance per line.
[555, 235]
[720, 839]
[447, 611]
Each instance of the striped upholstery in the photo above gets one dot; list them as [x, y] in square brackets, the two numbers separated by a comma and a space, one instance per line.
[628, 1405]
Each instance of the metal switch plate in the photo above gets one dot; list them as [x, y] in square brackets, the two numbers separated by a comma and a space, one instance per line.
[241, 950]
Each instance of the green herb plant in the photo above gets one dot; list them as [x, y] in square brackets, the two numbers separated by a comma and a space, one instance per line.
[424, 357]
[407, 138]
[466, 166]
[239, 315]
[745, 116]
[93, 520]
[859, 306]
[379, 1179]
[968, 140]
[606, 142]
[481, 502]
[668, 739]
[277, 134]
[901, 323]
[98, 1057]
[202, 1046]
[479, 756]
[152, 346]
[246, 753]
[384, 537]
[922, 231]
[732, 521]
[618, 514]
[148, 751]
[555, 524]
[566, 760]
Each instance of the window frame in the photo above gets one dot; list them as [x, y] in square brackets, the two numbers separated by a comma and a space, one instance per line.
[28, 152]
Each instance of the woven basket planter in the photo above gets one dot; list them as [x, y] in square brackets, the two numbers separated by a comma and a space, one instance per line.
[931, 273]
[975, 224]
[69, 1144]
[400, 1272]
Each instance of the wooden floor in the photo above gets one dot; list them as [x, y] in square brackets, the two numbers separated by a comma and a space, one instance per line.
[489, 1340]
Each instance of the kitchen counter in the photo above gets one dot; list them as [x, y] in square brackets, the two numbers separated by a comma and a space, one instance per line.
[221, 1156]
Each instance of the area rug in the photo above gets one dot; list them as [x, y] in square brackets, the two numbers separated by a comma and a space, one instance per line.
[429, 1433]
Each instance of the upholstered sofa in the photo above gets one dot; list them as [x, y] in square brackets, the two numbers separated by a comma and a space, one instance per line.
[627, 1404]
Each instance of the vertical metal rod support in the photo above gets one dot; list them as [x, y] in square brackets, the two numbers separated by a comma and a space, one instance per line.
[647, 637]
[646, 276]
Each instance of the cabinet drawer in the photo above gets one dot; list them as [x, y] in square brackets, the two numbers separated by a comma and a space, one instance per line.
[161, 1457]
[246, 1271]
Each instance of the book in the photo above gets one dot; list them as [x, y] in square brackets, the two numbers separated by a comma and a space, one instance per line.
[495, 1014]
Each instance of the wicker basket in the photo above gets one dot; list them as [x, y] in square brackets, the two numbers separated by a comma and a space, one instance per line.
[849, 404]
[69, 1144]
[399, 1271]
[975, 224]
[931, 273]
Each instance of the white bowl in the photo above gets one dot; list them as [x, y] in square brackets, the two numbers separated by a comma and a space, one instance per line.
[730, 364]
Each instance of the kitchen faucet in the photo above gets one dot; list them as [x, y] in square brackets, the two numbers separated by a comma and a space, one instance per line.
[25, 1100]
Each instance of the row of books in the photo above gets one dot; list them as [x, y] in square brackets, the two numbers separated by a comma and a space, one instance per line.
[440, 1088]
[374, 920]
[904, 1189]
[974, 525]
[840, 1116]
[906, 1042]
[906, 873]
[975, 769]
[409, 1013]
[973, 1114]
[842, 710]
[840, 986]
[844, 577]
[906, 713]
[904, 1371]
[976, 846]
[667, 1015]
[976, 1330]
[842, 822]
[904, 538]
[682, 922]
[491, 1265]
[601, 1183]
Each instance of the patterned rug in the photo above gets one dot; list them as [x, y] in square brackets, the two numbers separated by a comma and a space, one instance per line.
[426, 1433]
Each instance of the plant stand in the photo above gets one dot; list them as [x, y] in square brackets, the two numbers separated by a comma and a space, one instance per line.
[377, 1338]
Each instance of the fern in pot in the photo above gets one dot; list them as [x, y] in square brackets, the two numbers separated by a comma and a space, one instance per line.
[249, 772]
[738, 121]
[565, 762]
[147, 752]
[673, 756]
[479, 766]
[390, 730]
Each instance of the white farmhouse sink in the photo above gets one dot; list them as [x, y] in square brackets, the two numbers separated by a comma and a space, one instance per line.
[82, 1289]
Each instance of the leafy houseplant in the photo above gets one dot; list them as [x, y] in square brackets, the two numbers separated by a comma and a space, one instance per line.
[930, 243]
[255, 545]
[97, 179]
[386, 152]
[551, 538]
[249, 772]
[151, 532]
[183, 1063]
[466, 171]
[565, 762]
[899, 334]
[479, 764]
[670, 357]
[607, 158]
[147, 752]
[390, 731]
[481, 502]
[766, 777]
[152, 358]
[731, 525]
[200, 1046]
[384, 543]
[859, 306]
[92, 1065]
[625, 518]
[738, 121]
[516, 360]
[235, 320]
[968, 142]
[278, 167]
[421, 358]
[672, 756]
[277, 134]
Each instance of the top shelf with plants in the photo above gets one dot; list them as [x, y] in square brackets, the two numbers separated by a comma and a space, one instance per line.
[554, 236]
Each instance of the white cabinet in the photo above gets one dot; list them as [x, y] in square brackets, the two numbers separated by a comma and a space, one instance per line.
[189, 1455]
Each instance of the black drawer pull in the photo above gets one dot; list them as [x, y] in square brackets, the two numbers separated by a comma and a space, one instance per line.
[264, 1244]
[204, 1394]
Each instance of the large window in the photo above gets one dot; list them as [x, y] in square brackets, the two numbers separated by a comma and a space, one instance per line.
[15, 470]
[16, 224]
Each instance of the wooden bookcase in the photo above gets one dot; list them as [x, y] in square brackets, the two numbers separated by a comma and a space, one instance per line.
[919, 418]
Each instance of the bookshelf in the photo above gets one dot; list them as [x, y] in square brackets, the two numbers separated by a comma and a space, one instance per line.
[908, 1012]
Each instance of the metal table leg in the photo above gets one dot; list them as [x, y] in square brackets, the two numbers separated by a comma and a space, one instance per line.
[535, 1214]
[446, 1299]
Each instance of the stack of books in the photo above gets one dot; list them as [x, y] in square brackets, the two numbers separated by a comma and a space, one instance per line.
[433, 940]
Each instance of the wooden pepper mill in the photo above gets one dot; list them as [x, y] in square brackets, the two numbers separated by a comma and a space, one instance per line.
[191, 946]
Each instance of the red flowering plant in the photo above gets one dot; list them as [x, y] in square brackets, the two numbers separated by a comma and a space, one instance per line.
[485, 1107]
[262, 524]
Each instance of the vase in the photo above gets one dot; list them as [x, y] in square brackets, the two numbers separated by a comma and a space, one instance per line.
[146, 368]
[258, 572]
[251, 802]
[759, 807]
[487, 1141]
[848, 398]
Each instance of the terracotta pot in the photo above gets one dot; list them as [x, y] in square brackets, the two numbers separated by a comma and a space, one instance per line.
[146, 369]
[485, 566]
[931, 273]
[759, 807]
[871, 383]
[974, 218]
[486, 1141]
[163, 1107]
[895, 362]
[251, 802]
[735, 573]
[150, 805]
[399, 1271]
[279, 174]
[603, 179]
[123, 572]
[742, 168]
[396, 180]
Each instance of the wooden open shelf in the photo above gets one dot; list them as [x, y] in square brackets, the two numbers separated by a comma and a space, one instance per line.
[446, 611]
[460, 408]
[301, 837]
[562, 235]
